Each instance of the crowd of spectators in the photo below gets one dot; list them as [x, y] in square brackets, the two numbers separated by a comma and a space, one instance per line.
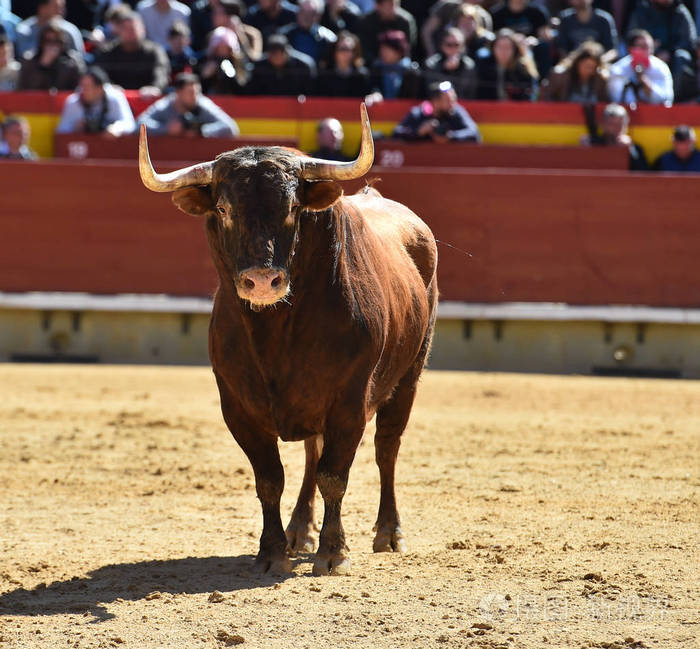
[629, 51]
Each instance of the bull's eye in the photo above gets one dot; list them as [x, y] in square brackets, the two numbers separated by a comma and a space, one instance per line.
[221, 210]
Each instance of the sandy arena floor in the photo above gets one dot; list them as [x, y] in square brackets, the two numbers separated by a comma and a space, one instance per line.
[539, 512]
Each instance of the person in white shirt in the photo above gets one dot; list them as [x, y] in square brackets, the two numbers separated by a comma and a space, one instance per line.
[97, 107]
[640, 77]
[159, 16]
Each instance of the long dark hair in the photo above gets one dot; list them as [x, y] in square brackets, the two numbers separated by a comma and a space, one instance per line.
[51, 27]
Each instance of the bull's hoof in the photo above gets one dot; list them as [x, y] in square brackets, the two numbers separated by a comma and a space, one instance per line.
[273, 565]
[331, 564]
[389, 539]
[300, 537]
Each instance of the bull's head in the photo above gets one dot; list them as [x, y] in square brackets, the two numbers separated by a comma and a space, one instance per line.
[253, 198]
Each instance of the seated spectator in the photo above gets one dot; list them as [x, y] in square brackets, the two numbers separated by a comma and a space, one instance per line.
[614, 133]
[187, 112]
[223, 70]
[581, 77]
[440, 119]
[445, 13]
[15, 138]
[158, 17]
[452, 64]
[521, 16]
[282, 71]
[97, 107]
[307, 35]
[9, 68]
[269, 16]
[133, 62]
[640, 77]
[508, 73]
[673, 31]
[341, 15]
[393, 75]
[330, 141]
[583, 23]
[386, 17]
[180, 55]
[27, 32]
[684, 156]
[230, 13]
[53, 65]
[345, 75]
[477, 38]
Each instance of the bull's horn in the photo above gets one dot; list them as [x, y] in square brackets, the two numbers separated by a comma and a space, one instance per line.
[199, 174]
[315, 169]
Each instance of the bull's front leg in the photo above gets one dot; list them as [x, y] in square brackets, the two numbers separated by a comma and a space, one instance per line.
[332, 478]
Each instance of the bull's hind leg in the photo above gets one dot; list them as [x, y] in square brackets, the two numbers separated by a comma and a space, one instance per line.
[301, 526]
[392, 418]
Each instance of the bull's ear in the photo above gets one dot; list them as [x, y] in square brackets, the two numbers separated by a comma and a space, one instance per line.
[317, 196]
[195, 201]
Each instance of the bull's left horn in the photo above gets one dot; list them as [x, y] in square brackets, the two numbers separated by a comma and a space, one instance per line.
[199, 174]
[315, 169]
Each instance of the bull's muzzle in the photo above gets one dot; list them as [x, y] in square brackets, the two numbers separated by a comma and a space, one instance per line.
[262, 286]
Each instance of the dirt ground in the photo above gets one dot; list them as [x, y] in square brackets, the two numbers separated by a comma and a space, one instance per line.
[539, 512]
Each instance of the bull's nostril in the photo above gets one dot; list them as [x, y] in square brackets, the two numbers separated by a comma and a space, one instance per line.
[249, 283]
[276, 281]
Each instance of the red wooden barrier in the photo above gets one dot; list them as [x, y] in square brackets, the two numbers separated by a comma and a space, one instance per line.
[570, 236]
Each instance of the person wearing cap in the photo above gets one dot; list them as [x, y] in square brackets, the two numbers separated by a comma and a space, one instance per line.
[440, 119]
[15, 137]
[9, 67]
[187, 112]
[388, 16]
[684, 156]
[159, 16]
[97, 107]
[393, 75]
[282, 70]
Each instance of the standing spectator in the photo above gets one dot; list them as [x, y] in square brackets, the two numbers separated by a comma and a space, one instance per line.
[345, 75]
[282, 71]
[186, 111]
[269, 16]
[684, 155]
[581, 77]
[614, 133]
[330, 141]
[341, 15]
[9, 68]
[445, 13]
[641, 77]
[97, 107]
[387, 16]
[133, 62]
[159, 16]
[452, 64]
[477, 38]
[27, 32]
[393, 75]
[509, 72]
[307, 35]
[522, 16]
[230, 13]
[223, 70]
[15, 138]
[672, 29]
[53, 65]
[180, 55]
[440, 119]
[583, 23]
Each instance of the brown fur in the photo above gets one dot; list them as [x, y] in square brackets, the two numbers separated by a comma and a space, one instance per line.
[349, 341]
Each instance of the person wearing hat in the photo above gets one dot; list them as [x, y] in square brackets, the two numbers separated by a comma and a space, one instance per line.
[440, 119]
[96, 107]
[393, 75]
[187, 112]
[282, 70]
[684, 156]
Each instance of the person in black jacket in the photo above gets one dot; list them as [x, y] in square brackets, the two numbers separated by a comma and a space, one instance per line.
[393, 75]
[440, 119]
[282, 70]
[452, 64]
[344, 75]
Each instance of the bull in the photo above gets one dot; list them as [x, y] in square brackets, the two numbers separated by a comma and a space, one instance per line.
[323, 318]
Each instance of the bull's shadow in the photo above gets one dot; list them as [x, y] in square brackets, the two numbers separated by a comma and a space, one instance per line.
[134, 581]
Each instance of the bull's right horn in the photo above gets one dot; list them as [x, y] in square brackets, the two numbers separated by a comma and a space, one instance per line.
[199, 174]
